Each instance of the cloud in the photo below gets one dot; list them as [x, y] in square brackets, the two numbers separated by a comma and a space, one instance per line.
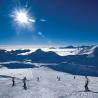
[32, 20]
[43, 20]
[41, 34]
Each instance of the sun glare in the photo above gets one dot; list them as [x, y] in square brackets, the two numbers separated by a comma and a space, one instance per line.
[22, 17]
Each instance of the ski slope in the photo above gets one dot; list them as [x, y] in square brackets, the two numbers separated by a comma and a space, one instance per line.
[48, 85]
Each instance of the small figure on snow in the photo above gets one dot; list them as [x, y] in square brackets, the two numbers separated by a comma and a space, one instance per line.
[74, 77]
[24, 82]
[38, 79]
[58, 78]
[86, 84]
[13, 81]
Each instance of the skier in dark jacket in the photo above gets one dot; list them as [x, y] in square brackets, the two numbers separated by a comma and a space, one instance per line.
[58, 78]
[13, 81]
[86, 84]
[24, 82]
[74, 77]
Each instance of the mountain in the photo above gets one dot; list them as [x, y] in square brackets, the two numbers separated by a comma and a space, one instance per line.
[5, 55]
[12, 55]
[41, 56]
[91, 51]
[84, 46]
[86, 61]
[86, 56]
[37, 56]
[75, 69]
[15, 52]
[70, 47]
[52, 48]
[18, 65]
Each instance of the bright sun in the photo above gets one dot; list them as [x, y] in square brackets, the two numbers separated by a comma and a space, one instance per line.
[22, 17]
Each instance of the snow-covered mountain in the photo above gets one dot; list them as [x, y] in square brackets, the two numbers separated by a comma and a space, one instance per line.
[90, 51]
[69, 47]
[85, 60]
[75, 69]
[41, 56]
[55, 55]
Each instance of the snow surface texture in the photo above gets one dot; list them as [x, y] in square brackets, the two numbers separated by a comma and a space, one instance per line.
[48, 85]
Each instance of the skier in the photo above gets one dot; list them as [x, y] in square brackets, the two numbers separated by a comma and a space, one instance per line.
[24, 82]
[58, 78]
[86, 84]
[38, 79]
[13, 81]
[74, 77]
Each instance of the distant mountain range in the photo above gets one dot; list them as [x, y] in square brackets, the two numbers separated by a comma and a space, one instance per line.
[71, 47]
[52, 48]
[67, 47]
[42, 56]
[45, 57]
[85, 61]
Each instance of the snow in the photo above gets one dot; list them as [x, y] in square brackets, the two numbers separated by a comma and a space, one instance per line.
[88, 51]
[48, 86]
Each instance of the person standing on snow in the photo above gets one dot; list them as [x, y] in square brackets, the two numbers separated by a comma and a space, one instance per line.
[24, 83]
[58, 78]
[13, 81]
[86, 84]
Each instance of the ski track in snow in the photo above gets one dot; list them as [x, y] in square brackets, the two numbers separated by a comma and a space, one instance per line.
[48, 86]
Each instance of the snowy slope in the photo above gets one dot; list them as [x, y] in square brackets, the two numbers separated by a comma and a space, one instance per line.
[48, 86]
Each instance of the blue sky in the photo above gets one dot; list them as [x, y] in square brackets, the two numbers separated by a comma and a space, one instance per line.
[58, 22]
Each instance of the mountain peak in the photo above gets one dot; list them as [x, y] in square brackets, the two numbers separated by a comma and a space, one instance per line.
[39, 51]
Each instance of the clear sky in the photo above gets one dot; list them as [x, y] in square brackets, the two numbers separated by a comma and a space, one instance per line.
[48, 22]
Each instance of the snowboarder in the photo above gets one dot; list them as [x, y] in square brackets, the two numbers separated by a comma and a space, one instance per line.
[24, 82]
[13, 81]
[86, 84]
